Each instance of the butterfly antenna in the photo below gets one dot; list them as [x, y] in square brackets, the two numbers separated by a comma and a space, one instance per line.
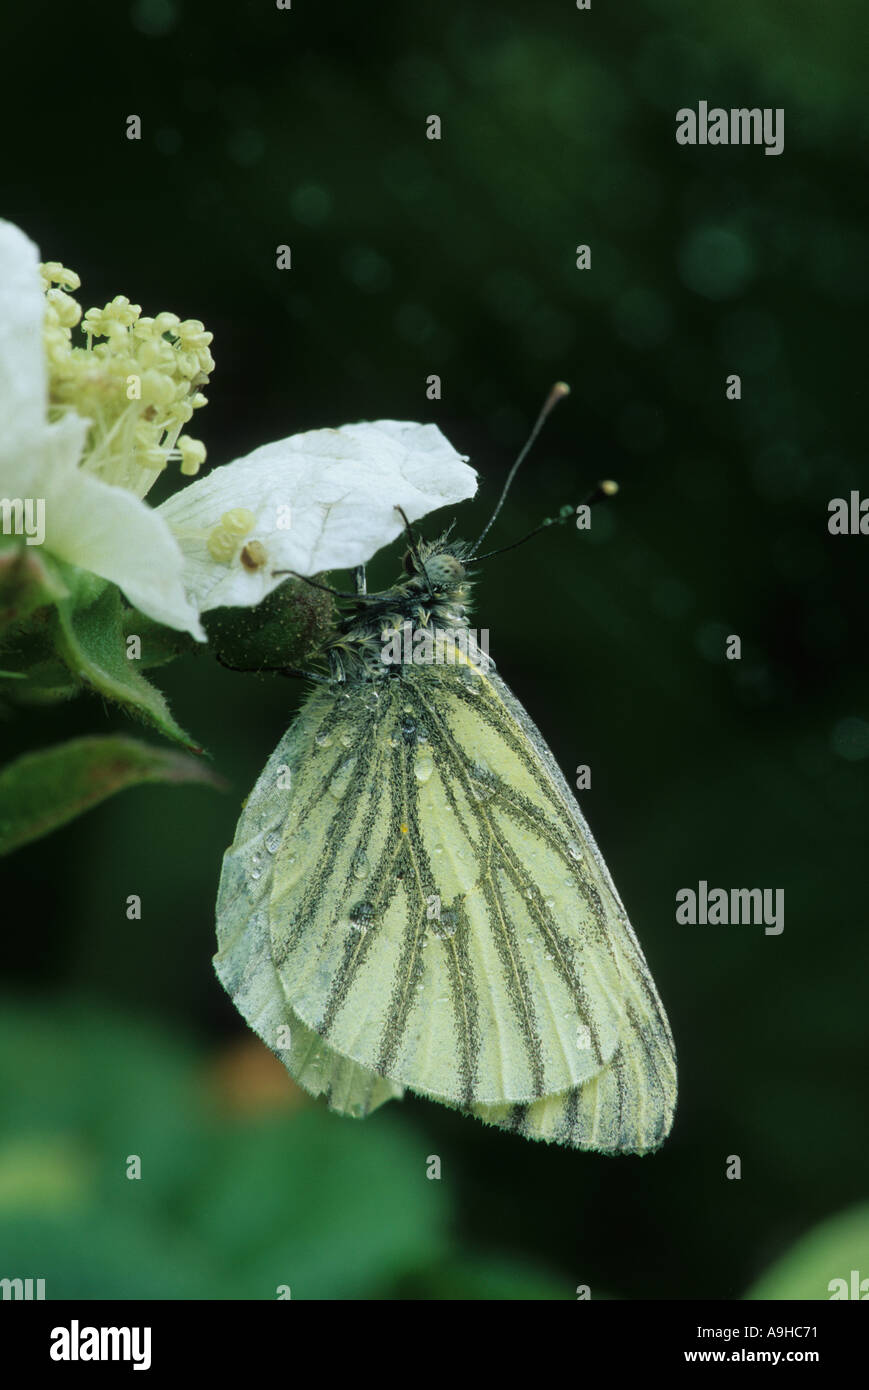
[604, 489]
[315, 584]
[558, 392]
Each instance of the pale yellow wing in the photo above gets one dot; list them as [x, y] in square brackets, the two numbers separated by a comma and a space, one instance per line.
[439, 914]
[244, 959]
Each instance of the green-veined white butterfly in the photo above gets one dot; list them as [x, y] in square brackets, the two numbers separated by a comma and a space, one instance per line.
[413, 898]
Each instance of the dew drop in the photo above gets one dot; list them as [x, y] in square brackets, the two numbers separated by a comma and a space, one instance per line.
[346, 740]
[361, 917]
[323, 740]
[273, 841]
[360, 863]
[547, 955]
[573, 850]
[408, 730]
[423, 769]
[583, 1037]
[549, 903]
[482, 786]
[446, 925]
[341, 781]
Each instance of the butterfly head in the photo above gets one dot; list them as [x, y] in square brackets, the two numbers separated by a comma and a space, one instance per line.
[437, 569]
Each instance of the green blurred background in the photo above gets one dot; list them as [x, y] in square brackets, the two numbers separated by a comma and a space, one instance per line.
[412, 257]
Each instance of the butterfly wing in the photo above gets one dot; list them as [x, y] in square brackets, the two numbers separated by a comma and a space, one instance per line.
[244, 962]
[440, 917]
[628, 1106]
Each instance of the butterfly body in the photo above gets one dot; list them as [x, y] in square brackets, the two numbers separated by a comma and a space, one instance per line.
[413, 898]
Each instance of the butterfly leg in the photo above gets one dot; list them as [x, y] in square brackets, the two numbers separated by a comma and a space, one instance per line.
[282, 670]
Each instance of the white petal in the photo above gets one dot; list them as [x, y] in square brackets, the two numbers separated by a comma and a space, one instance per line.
[22, 359]
[109, 531]
[341, 487]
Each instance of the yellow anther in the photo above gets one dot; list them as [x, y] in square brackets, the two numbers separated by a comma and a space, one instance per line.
[192, 334]
[122, 311]
[156, 352]
[157, 388]
[68, 310]
[53, 273]
[238, 522]
[192, 455]
[166, 323]
[221, 545]
[139, 427]
[187, 364]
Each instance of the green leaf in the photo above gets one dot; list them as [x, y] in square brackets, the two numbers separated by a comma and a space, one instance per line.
[828, 1253]
[230, 1206]
[480, 1277]
[41, 791]
[90, 636]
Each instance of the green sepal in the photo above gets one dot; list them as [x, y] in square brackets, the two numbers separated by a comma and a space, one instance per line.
[159, 644]
[28, 580]
[90, 635]
[43, 790]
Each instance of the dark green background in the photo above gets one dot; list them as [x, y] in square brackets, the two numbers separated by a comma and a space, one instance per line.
[410, 257]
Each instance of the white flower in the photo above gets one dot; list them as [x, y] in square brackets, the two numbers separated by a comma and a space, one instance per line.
[322, 500]
[85, 431]
[89, 521]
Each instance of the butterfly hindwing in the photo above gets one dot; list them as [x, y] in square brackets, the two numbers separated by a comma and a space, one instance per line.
[244, 962]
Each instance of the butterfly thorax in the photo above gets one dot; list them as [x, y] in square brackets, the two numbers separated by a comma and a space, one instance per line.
[432, 599]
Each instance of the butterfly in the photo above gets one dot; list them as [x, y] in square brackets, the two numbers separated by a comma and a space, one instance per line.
[413, 899]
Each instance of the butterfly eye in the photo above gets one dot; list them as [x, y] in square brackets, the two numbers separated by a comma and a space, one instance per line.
[407, 563]
[444, 570]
